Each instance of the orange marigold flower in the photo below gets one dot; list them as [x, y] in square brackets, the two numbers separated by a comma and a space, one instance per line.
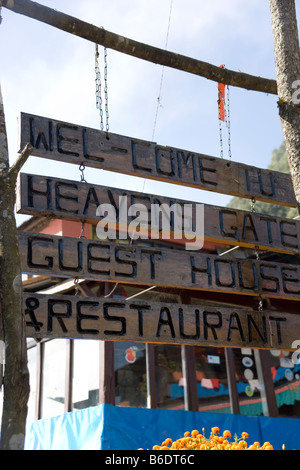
[195, 433]
[167, 442]
[215, 430]
[269, 447]
[227, 434]
[245, 435]
[186, 434]
[242, 444]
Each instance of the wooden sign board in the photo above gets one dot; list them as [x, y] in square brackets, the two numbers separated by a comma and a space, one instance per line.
[50, 255]
[60, 198]
[72, 143]
[152, 322]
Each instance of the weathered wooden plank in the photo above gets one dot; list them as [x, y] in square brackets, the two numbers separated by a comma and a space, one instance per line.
[51, 255]
[74, 317]
[59, 198]
[72, 143]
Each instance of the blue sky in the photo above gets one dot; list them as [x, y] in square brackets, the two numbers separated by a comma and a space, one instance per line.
[50, 73]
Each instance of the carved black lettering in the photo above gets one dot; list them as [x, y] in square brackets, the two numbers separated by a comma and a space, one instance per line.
[41, 138]
[235, 319]
[41, 241]
[86, 153]
[268, 220]
[205, 270]
[165, 155]
[252, 323]
[80, 317]
[114, 318]
[225, 281]
[91, 198]
[63, 266]
[189, 162]
[208, 325]
[205, 169]
[31, 192]
[272, 286]
[151, 254]
[32, 304]
[137, 150]
[284, 233]
[230, 231]
[277, 320]
[262, 187]
[181, 325]
[127, 253]
[165, 322]
[113, 202]
[62, 138]
[140, 309]
[92, 259]
[64, 311]
[287, 278]
[249, 227]
[59, 196]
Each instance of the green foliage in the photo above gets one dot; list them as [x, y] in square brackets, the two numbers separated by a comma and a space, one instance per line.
[279, 162]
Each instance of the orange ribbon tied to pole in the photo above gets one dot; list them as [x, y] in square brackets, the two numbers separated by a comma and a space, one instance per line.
[221, 99]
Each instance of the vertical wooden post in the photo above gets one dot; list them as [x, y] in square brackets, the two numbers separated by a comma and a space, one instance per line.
[189, 376]
[106, 366]
[151, 381]
[107, 374]
[39, 380]
[266, 378]
[69, 375]
[233, 393]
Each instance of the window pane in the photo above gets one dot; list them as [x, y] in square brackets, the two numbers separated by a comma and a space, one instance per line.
[85, 390]
[212, 384]
[53, 387]
[130, 374]
[285, 370]
[169, 380]
[250, 384]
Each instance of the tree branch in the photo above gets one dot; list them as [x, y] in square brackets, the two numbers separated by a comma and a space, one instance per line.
[142, 51]
[21, 160]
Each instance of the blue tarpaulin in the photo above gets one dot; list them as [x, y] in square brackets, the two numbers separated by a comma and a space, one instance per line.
[107, 427]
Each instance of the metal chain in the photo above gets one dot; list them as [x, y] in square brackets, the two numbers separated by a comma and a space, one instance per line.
[253, 201]
[98, 87]
[106, 90]
[227, 123]
[98, 81]
[260, 300]
[82, 180]
[76, 280]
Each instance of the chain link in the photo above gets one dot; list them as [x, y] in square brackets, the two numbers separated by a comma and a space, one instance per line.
[98, 82]
[106, 90]
[227, 123]
[76, 280]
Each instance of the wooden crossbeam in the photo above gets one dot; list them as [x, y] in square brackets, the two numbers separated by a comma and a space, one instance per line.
[146, 52]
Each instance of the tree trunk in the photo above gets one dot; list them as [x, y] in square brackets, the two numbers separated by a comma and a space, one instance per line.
[16, 376]
[287, 60]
